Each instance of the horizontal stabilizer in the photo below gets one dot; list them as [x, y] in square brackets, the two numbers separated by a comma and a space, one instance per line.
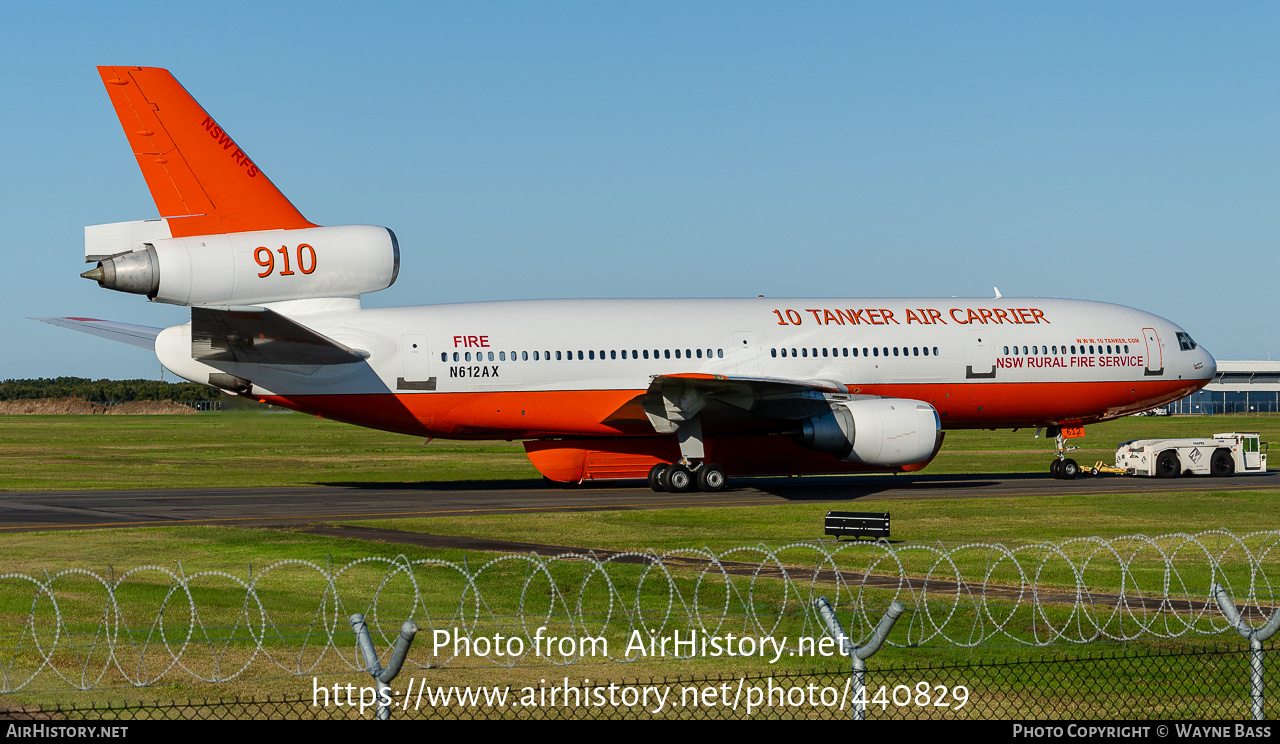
[256, 335]
[135, 335]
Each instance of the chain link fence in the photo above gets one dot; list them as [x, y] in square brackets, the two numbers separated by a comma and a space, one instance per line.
[518, 615]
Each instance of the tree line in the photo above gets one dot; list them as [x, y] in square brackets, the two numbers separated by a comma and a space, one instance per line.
[106, 391]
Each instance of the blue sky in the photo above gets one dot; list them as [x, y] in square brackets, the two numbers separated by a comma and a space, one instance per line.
[1124, 152]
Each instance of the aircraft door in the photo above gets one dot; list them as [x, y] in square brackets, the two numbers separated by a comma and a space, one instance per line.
[1155, 355]
[982, 363]
[416, 364]
[745, 353]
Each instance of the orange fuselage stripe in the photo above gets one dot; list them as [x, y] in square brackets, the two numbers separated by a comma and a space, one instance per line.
[532, 415]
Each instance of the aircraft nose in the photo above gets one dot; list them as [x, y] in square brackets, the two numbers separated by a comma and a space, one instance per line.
[1202, 365]
[1210, 367]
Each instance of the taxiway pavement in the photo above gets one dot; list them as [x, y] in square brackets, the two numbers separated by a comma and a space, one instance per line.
[301, 505]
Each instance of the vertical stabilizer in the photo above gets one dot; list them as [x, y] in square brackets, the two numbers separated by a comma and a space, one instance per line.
[200, 179]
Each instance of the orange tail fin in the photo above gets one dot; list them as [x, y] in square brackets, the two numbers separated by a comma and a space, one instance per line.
[202, 182]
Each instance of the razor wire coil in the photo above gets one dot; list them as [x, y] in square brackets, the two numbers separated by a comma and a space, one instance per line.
[153, 623]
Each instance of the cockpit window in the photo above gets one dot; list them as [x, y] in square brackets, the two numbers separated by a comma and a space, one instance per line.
[1184, 342]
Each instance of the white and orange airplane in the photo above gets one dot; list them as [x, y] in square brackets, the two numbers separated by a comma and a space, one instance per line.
[683, 392]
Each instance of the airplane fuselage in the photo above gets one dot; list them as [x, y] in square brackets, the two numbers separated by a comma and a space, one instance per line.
[555, 368]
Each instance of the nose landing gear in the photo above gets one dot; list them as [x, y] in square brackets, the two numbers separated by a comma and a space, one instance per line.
[1063, 468]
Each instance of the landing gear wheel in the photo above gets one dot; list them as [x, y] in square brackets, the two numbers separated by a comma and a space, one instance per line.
[1222, 465]
[711, 478]
[1055, 469]
[1069, 469]
[677, 479]
[1167, 465]
[655, 476]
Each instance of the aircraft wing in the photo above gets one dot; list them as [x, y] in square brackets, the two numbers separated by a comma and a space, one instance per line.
[762, 385]
[135, 335]
[256, 335]
[674, 399]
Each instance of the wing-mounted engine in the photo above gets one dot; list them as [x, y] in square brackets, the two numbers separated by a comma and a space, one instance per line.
[883, 432]
[248, 268]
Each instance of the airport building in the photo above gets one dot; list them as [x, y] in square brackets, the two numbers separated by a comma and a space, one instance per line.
[1239, 387]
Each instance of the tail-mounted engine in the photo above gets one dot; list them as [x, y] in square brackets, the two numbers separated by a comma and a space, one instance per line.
[884, 432]
[247, 267]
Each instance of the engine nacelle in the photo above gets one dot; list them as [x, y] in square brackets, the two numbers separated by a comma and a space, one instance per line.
[882, 432]
[255, 267]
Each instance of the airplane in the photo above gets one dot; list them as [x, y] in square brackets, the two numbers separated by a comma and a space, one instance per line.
[682, 393]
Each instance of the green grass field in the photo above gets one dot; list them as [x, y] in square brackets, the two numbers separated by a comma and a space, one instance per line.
[274, 449]
[238, 448]
[258, 448]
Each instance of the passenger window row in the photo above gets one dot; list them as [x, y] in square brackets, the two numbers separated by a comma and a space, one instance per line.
[588, 355]
[874, 351]
[1057, 350]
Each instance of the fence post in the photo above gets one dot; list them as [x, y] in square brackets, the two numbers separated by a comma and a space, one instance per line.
[383, 676]
[1255, 636]
[859, 654]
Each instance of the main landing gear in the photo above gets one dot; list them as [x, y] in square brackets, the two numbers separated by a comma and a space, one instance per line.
[682, 477]
[1063, 468]
[678, 416]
